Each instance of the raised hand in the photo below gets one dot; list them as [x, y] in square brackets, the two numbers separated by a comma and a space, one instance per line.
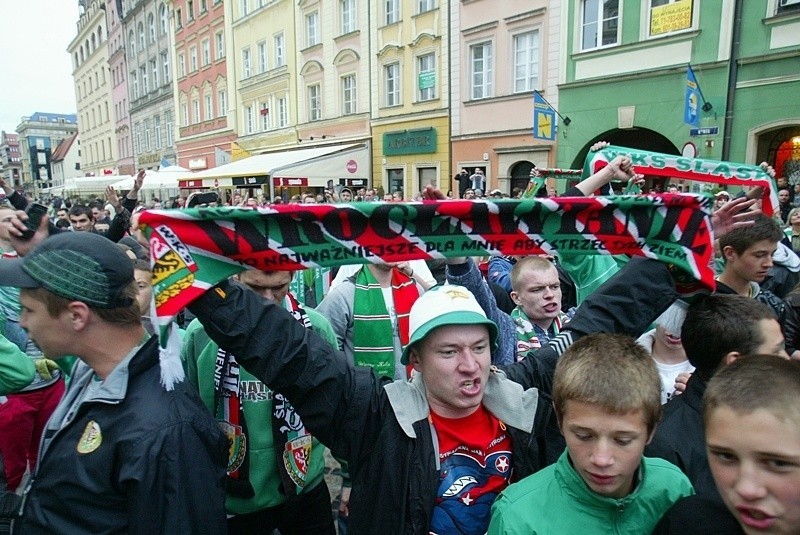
[734, 214]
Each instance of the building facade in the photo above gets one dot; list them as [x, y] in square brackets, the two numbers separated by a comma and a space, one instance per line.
[624, 78]
[410, 88]
[39, 135]
[118, 67]
[10, 160]
[66, 159]
[501, 53]
[146, 26]
[201, 88]
[89, 53]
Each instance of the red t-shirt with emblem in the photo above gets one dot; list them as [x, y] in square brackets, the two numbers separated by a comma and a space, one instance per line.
[475, 458]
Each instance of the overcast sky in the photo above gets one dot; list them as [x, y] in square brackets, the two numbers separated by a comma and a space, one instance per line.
[36, 71]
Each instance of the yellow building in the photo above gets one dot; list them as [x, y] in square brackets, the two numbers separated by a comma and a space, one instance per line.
[410, 103]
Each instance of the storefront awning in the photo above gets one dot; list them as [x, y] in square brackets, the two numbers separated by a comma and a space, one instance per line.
[316, 165]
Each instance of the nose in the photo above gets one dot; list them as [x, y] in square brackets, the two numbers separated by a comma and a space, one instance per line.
[602, 455]
[748, 483]
[468, 362]
[548, 292]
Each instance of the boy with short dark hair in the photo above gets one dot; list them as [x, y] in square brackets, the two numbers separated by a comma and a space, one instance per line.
[607, 397]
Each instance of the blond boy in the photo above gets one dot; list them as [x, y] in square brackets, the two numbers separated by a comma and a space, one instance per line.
[607, 397]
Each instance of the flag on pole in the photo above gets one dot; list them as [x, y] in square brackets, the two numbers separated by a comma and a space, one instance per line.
[691, 108]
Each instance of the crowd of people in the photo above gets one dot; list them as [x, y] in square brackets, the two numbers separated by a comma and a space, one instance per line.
[542, 394]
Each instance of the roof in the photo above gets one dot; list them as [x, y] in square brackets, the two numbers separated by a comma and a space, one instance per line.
[63, 148]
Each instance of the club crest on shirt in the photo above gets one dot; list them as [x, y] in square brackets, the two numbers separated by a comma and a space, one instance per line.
[296, 457]
[91, 438]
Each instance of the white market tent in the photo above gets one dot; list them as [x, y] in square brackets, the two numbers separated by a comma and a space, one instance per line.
[86, 185]
[257, 170]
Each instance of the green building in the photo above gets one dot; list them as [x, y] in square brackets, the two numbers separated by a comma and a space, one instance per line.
[624, 79]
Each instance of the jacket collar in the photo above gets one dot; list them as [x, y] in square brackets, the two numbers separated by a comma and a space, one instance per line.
[577, 488]
[502, 397]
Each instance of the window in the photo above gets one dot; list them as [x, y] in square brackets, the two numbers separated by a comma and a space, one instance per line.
[146, 128]
[392, 84]
[426, 77]
[425, 5]
[219, 42]
[667, 16]
[145, 88]
[163, 19]
[349, 94]
[222, 103]
[245, 7]
[141, 37]
[526, 61]
[599, 23]
[195, 111]
[314, 103]
[151, 27]
[264, 116]
[426, 177]
[184, 114]
[312, 29]
[181, 66]
[165, 66]
[154, 70]
[206, 46]
[392, 11]
[131, 44]
[190, 11]
[178, 19]
[135, 85]
[262, 56]
[283, 113]
[209, 111]
[481, 62]
[203, 6]
[137, 137]
[348, 8]
[193, 59]
[247, 72]
[248, 119]
[157, 128]
[168, 123]
[280, 50]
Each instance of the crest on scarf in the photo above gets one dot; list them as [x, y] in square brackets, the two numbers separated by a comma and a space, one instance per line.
[295, 459]
[237, 444]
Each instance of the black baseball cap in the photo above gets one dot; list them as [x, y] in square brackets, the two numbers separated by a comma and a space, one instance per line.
[80, 266]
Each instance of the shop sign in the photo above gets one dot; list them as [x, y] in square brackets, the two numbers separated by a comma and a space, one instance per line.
[422, 141]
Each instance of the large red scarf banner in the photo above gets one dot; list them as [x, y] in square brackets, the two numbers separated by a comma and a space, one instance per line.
[192, 250]
[680, 167]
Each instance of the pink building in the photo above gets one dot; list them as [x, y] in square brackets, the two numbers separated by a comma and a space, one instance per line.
[204, 137]
[117, 64]
[505, 51]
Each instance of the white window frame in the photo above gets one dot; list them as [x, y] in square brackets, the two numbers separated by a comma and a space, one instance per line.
[219, 43]
[392, 84]
[423, 6]
[184, 114]
[283, 112]
[135, 85]
[208, 108]
[222, 103]
[247, 63]
[649, 14]
[264, 116]
[599, 21]
[196, 110]
[312, 28]
[193, 59]
[157, 128]
[314, 103]
[145, 87]
[391, 11]
[481, 70]
[349, 94]
[244, 7]
[146, 128]
[154, 70]
[168, 127]
[181, 65]
[526, 61]
[280, 50]
[247, 111]
[163, 16]
[428, 93]
[206, 48]
[347, 9]
[165, 66]
[263, 65]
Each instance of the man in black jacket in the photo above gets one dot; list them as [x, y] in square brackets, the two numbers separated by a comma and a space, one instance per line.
[417, 461]
[121, 453]
[717, 330]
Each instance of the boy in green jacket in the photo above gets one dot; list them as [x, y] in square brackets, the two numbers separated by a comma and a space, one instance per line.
[607, 397]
